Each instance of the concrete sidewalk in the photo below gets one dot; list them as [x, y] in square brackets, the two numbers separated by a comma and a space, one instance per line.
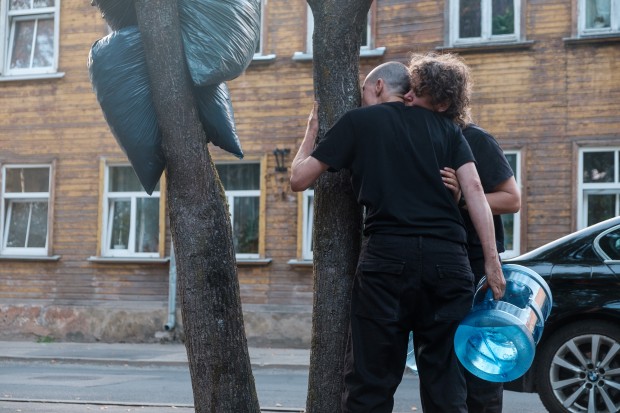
[137, 354]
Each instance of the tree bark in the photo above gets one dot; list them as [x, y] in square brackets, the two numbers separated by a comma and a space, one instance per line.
[338, 26]
[216, 344]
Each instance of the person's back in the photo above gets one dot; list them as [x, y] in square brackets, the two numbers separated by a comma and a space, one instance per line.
[394, 153]
[413, 272]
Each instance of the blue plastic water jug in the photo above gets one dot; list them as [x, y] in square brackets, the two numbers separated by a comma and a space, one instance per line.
[497, 340]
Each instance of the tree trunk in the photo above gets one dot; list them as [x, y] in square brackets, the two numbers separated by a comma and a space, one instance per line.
[338, 27]
[219, 362]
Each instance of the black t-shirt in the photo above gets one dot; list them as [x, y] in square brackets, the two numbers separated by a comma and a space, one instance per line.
[493, 169]
[395, 154]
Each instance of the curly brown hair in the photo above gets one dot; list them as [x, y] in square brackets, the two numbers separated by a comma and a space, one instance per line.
[445, 79]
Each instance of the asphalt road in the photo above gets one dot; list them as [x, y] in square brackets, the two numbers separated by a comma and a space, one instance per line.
[33, 387]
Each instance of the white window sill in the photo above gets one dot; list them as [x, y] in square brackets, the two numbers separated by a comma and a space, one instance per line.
[263, 58]
[486, 46]
[300, 263]
[30, 257]
[37, 76]
[593, 38]
[246, 262]
[129, 260]
[377, 52]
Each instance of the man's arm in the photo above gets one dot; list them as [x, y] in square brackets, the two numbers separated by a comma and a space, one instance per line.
[305, 169]
[505, 198]
[481, 216]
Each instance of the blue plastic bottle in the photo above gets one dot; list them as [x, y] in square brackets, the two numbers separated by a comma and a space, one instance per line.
[497, 340]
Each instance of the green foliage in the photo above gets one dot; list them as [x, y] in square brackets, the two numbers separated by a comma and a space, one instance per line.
[504, 23]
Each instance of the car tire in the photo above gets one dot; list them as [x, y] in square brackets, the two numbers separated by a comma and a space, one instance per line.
[571, 377]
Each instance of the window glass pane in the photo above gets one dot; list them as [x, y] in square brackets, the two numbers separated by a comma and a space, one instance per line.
[120, 212]
[22, 44]
[508, 220]
[503, 17]
[259, 45]
[598, 167]
[20, 4]
[239, 176]
[365, 35]
[43, 3]
[44, 48]
[470, 15]
[512, 161]
[601, 207]
[245, 225]
[610, 244]
[19, 180]
[124, 179]
[28, 225]
[147, 225]
[598, 13]
[309, 224]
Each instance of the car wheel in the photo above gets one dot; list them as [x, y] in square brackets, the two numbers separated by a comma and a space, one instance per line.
[578, 369]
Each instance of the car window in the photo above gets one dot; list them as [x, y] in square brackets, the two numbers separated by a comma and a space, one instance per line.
[610, 244]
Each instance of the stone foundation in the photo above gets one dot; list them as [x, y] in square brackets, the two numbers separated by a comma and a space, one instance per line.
[266, 325]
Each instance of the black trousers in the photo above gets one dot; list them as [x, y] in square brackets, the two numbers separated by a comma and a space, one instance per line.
[403, 284]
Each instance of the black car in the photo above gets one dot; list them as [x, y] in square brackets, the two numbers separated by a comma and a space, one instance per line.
[577, 363]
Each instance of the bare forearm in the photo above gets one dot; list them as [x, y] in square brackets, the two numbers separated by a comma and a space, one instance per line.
[305, 169]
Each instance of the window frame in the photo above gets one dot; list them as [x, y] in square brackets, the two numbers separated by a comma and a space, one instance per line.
[104, 250]
[307, 224]
[584, 31]
[516, 223]
[486, 22]
[368, 50]
[258, 193]
[7, 29]
[25, 251]
[584, 190]
[260, 55]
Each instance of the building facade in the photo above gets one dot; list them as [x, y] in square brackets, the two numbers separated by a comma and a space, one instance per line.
[85, 252]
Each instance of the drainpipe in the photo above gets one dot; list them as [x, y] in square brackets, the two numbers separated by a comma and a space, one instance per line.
[172, 292]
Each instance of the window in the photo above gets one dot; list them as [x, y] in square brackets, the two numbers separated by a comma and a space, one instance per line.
[599, 185]
[483, 21]
[512, 222]
[28, 37]
[131, 218]
[599, 17]
[25, 225]
[241, 183]
[367, 48]
[608, 244]
[260, 53]
[307, 224]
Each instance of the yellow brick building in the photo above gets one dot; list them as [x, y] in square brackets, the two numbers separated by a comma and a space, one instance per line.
[75, 263]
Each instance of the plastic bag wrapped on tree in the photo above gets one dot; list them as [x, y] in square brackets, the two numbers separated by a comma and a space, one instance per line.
[219, 37]
[118, 73]
[119, 76]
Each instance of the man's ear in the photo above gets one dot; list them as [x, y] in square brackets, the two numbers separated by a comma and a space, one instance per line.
[408, 97]
[379, 86]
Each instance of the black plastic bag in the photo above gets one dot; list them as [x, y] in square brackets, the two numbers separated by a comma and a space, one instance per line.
[217, 117]
[219, 37]
[119, 76]
[118, 73]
